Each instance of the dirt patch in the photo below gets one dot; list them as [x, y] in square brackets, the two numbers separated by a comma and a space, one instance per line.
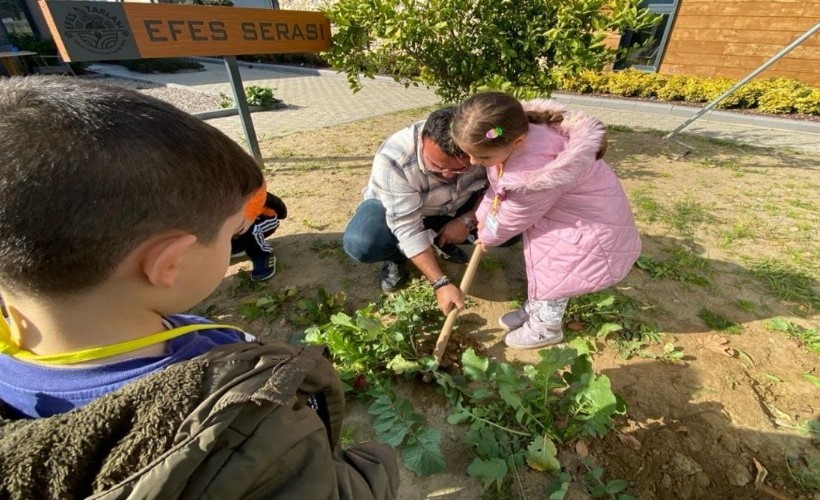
[728, 230]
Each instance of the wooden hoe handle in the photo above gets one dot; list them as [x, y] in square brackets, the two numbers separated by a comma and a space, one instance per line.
[466, 281]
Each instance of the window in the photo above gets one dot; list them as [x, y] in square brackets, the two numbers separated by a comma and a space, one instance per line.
[648, 58]
[14, 19]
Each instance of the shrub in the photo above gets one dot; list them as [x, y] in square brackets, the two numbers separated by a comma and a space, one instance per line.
[585, 82]
[260, 96]
[676, 88]
[772, 95]
[169, 65]
[809, 103]
[628, 83]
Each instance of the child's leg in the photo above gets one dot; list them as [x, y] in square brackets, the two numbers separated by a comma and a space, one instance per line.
[542, 326]
[259, 251]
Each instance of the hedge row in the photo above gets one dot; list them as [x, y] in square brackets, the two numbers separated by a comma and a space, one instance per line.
[772, 95]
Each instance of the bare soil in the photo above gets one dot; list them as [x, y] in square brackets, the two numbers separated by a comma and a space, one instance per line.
[694, 428]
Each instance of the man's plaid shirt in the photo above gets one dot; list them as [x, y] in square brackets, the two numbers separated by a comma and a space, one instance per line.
[409, 192]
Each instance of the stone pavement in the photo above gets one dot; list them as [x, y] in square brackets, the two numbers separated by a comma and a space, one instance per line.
[321, 98]
[315, 98]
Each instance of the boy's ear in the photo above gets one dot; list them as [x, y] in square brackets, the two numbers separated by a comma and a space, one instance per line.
[160, 262]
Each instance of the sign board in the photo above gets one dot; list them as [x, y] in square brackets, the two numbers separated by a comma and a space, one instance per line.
[100, 31]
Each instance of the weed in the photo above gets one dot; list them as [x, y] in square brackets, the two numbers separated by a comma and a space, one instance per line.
[800, 203]
[739, 231]
[242, 283]
[719, 323]
[646, 208]
[787, 283]
[686, 215]
[805, 471]
[746, 305]
[723, 164]
[491, 263]
[681, 265]
[671, 353]
[604, 313]
[327, 248]
[809, 338]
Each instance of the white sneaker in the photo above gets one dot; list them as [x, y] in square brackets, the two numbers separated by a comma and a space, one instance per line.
[533, 335]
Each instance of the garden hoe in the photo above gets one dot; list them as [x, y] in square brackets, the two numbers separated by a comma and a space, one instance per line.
[466, 281]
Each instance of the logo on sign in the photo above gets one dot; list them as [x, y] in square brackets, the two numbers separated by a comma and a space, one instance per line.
[96, 29]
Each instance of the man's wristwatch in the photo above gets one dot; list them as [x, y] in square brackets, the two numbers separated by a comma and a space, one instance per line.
[469, 221]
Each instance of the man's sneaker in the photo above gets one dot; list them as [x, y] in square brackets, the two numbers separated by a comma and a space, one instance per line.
[393, 275]
[534, 334]
[452, 253]
[514, 319]
[263, 268]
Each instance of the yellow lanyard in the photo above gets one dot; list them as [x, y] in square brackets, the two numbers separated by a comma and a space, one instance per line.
[9, 348]
[497, 199]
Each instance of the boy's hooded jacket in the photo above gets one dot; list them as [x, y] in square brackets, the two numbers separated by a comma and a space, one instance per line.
[233, 423]
[579, 233]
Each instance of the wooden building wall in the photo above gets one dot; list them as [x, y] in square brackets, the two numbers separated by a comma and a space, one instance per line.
[731, 38]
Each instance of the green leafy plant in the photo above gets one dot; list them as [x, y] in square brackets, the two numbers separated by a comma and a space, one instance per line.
[608, 314]
[681, 265]
[460, 47]
[398, 425]
[808, 337]
[260, 96]
[256, 95]
[518, 418]
[719, 322]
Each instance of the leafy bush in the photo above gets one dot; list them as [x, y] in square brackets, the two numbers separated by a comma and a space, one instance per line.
[260, 96]
[458, 47]
[170, 65]
[585, 82]
[772, 95]
[809, 103]
[629, 83]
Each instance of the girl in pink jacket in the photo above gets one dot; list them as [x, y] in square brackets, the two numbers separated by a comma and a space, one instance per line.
[548, 183]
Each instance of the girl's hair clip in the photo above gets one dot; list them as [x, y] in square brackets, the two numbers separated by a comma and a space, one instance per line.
[494, 133]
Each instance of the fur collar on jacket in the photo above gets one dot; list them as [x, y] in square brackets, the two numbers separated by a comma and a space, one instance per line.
[584, 136]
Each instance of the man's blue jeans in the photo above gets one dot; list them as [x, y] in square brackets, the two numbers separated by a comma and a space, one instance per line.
[367, 238]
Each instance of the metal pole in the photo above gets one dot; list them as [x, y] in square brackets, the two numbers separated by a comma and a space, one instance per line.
[805, 36]
[242, 106]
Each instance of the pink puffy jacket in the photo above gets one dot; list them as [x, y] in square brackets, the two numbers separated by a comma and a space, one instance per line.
[579, 233]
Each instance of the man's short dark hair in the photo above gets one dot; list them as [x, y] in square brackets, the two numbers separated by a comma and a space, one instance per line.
[437, 128]
[90, 171]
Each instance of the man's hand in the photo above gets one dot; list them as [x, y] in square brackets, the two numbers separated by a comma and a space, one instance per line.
[448, 296]
[454, 232]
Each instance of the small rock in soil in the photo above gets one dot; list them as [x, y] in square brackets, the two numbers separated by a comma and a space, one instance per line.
[684, 466]
[703, 479]
[738, 475]
[666, 482]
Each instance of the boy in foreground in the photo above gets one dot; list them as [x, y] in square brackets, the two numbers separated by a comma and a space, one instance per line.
[116, 214]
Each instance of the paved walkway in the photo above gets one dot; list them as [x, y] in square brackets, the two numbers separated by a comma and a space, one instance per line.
[321, 98]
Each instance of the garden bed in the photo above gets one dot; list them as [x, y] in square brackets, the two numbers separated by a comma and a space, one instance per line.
[717, 356]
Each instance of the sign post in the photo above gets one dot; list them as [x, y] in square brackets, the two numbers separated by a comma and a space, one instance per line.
[105, 31]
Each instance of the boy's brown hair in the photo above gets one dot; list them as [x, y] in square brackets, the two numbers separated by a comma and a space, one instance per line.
[89, 171]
